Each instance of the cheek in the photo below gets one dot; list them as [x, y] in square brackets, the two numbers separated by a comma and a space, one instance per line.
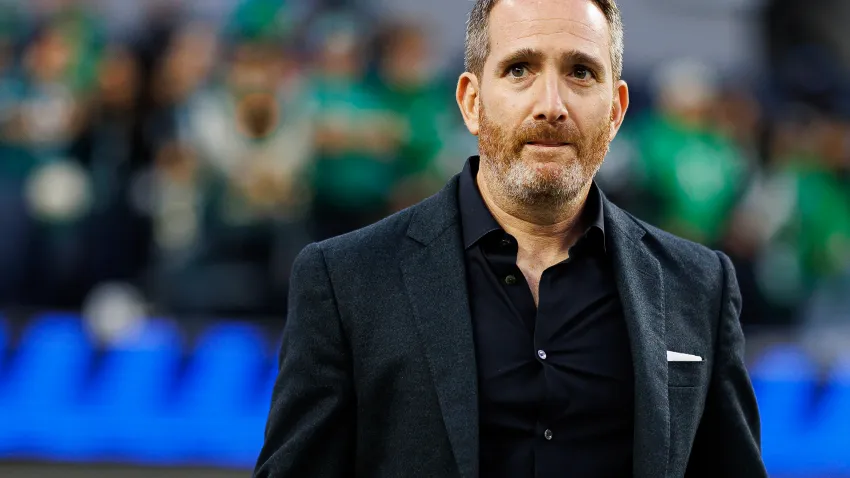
[590, 115]
[508, 109]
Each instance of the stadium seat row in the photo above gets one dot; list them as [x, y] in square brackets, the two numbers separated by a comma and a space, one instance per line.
[148, 400]
[156, 399]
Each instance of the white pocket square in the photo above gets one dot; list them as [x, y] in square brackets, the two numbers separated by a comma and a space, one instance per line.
[679, 357]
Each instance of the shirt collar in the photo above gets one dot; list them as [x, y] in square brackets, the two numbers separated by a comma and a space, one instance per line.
[477, 221]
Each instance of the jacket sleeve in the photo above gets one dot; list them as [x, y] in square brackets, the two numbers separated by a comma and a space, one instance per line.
[310, 428]
[728, 440]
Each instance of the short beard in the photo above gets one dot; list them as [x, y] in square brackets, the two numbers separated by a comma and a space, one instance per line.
[508, 176]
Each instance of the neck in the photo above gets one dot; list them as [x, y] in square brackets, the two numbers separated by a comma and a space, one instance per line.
[546, 231]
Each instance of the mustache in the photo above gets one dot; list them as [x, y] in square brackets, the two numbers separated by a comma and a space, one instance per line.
[547, 132]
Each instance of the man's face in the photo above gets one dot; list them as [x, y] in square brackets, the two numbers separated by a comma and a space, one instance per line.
[547, 105]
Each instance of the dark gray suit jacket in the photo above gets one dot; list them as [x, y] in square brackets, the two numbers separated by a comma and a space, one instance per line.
[377, 365]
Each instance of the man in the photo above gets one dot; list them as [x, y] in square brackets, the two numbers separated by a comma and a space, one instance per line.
[518, 324]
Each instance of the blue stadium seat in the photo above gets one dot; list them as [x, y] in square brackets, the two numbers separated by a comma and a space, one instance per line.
[803, 429]
[129, 394]
[782, 378]
[38, 408]
[828, 447]
[212, 412]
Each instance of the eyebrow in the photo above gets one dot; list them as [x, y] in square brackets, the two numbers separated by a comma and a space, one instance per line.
[525, 55]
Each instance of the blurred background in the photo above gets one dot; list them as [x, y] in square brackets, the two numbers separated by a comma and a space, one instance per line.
[163, 161]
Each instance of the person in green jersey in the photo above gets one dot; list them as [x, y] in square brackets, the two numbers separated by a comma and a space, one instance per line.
[694, 172]
[356, 137]
[410, 90]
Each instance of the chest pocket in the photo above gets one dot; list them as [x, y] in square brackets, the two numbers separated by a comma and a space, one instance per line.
[687, 374]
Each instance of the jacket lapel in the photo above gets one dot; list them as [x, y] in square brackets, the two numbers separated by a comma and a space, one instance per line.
[434, 275]
[641, 287]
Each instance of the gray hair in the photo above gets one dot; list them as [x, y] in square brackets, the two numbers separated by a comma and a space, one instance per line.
[478, 37]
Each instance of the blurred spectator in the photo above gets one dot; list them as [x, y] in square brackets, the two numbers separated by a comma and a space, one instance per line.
[413, 96]
[185, 67]
[358, 139]
[798, 215]
[51, 105]
[249, 140]
[180, 74]
[116, 152]
[49, 109]
[691, 172]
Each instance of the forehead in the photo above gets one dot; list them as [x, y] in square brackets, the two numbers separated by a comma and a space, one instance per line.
[551, 26]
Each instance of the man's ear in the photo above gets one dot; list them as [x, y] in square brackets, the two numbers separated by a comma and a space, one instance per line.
[621, 105]
[468, 100]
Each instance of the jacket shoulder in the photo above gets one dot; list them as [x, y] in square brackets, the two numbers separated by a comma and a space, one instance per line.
[684, 257]
[384, 239]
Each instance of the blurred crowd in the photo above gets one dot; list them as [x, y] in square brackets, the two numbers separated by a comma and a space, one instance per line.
[190, 160]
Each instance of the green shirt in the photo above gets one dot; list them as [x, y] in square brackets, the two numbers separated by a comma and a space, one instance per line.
[695, 174]
[423, 109]
[821, 226]
[353, 178]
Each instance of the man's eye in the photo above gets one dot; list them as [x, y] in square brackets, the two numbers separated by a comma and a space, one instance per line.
[582, 73]
[518, 71]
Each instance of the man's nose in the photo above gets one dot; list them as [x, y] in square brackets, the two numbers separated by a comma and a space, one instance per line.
[551, 105]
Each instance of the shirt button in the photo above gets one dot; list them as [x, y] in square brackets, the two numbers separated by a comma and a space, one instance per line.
[541, 354]
[510, 280]
[547, 434]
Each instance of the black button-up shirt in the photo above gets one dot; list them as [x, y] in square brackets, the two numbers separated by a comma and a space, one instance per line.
[556, 381]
